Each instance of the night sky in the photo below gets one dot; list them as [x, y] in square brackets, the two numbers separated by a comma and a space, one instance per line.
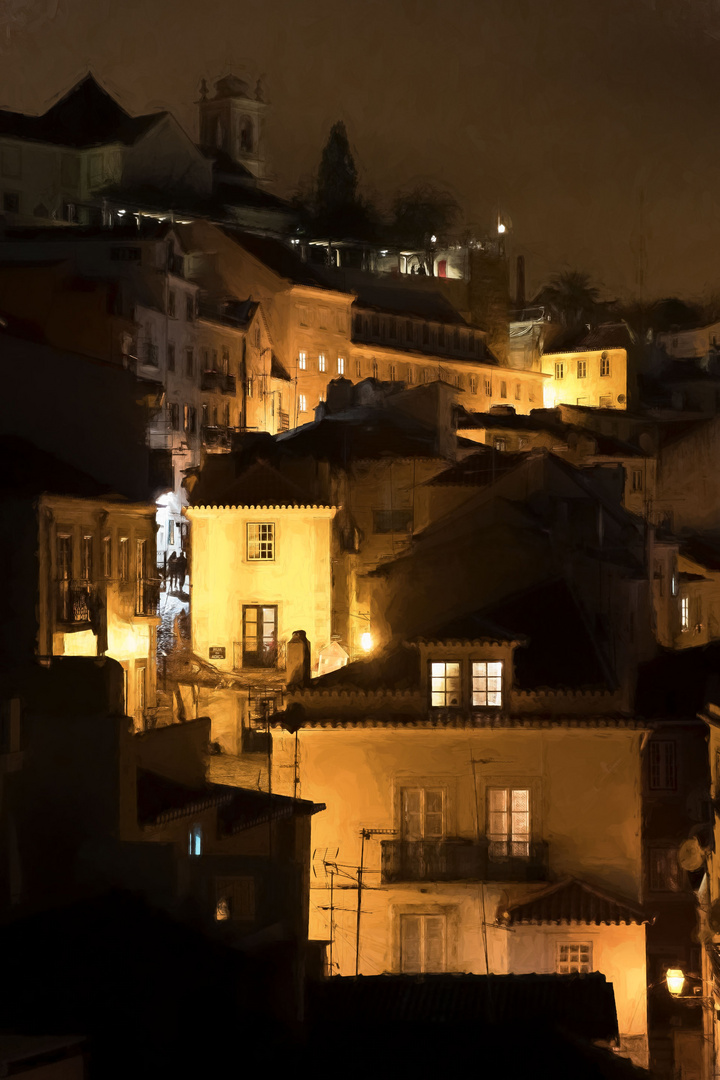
[560, 112]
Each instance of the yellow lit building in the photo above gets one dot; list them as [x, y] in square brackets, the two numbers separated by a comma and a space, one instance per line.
[593, 374]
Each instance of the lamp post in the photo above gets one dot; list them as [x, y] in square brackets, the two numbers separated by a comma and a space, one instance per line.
[675, 979]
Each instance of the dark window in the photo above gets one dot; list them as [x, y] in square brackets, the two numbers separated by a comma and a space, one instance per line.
[189, 308]
[151, 354]
[456, 340]
[125, 254]
[189, 363]
[11, 202]
[663, 765]
[174, 416]
[171, 358]
[171, 303]
[259, 636]
[392, 328]
[385, 521]
[358, 324]
[664, 874]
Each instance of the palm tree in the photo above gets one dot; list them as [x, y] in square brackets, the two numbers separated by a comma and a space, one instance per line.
[571, 298]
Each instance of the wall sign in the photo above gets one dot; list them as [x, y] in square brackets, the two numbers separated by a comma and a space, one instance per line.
[217, 652]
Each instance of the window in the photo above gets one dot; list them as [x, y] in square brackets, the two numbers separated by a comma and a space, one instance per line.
[358, 324]
[259, 636]
[386, 521]
[423, 813]
[664, 873]
[323, 318]
[341, 365]
[392, 373]
[189, 308]
[456, 340]
[604, 364]
[473, 384]
[487, 683]
[11, 202]
[304, 316]
[107, 556]
[87, 558]
[151, 354]
[673, 584]
[189, 416]
[235, 899]
[64, 557]
[375, 369]
[302, 403]
[410, 375]
[171, 357]
[171, 303]
[605, 401]
[573, 957]
[488, 387]
[124, 558]
[358, 369]
[225, 366]
[195, 840]
[189, 363]
[260, 541]
[249, 388]
[500, 444]
[503, 389]
[559, 370]
[422, 943]
[685, 613]
[174, 416]
[663, 765]
[518, 391]
[531, 392]
[375, 322]
[171, 532]
[321, 362]
[637, 480]
[141, 559]
[445, 688]
[392, 328]
[509, 821]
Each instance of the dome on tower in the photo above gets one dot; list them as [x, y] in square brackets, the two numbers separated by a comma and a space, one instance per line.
[231, 87]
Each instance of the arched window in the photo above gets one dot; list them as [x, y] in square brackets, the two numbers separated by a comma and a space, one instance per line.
[246, 135]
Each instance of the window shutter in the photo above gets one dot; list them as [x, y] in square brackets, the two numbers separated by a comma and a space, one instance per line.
[434, 817]
[412, 813]
[434, 943]
[410, 954]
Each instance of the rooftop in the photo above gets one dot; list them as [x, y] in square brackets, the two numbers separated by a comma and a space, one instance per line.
[573, 901]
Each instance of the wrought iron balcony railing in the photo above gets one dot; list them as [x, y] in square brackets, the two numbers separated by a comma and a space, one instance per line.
[219, 381]
[459, 859]
[75, 601]
[147, 596]
[217, 438]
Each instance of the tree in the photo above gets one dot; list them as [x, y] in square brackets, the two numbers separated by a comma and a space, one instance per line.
[421, 213]
[571, 298]
[337, 176]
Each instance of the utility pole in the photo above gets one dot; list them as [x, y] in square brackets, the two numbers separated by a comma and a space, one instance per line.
[366, 834]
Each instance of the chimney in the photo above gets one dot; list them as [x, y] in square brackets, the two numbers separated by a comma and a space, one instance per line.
[520, 282]
[297, 665]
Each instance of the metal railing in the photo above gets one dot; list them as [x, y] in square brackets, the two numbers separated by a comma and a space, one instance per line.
[217, 437]
[147, 596]
[458, 860]
[218, 380]
[75, 601]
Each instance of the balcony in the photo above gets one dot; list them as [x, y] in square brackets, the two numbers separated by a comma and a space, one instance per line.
[75, 602]
[216, 438]
[147, 597]
[458, 860]
[217, 381]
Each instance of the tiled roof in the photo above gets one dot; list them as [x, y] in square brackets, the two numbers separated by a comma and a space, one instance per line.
[277, 371]
[573, 901]
[259, 485]
[484, 467]
[418, 302]
[279, 257]
[607, 336]
[86, 116]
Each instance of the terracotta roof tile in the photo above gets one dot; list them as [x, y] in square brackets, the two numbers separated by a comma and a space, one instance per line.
[573, 901]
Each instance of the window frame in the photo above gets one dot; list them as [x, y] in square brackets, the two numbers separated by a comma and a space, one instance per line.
[423, 920]
[260, 541]
[559, 370]
[271, 660]
[570, 965]
[496, 676]
[514, 841]
[436, 676]
[662, 765]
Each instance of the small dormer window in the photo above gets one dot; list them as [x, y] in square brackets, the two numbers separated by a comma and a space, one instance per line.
[487, 683]
[445, 689]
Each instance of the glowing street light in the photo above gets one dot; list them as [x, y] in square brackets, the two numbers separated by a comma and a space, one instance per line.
[501, 227]
[675, 979]
[433, 239]
[366, 641]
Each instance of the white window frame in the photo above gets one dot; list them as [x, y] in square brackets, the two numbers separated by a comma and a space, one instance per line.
[509, 821]
[260, 541]
[321, 362]
[604, 367]
[445, 682]
[573, 957]
[302, 361]
[685, 613]
[559, 369]
[302, 403]
[430, 955]
[423, 813]
[582, 369]
[341, 365]
[486, 688]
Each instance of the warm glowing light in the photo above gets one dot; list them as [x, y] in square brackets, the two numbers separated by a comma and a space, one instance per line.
[501, 228]
[675, 981]
[366, 641]
[433, 239]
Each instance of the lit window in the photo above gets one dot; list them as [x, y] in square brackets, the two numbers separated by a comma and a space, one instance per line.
[392, 373]
[509, 821]
[444, 684]
[423, 813]
[518, 391]
[574, 957]
[302, 361]
[500, 444]
[473, 384]
[422, 943]
[685, 613]
[235, 899]
[341, 365]
[637, 480]
[662, 765]
[259, 636]
[358, 369]
[321, 362]
[673, 584]
[559, 370]
[503, 389]
[488, 387]
[124, 558]
[302, 403]
[87, 558]
[581, 369]
[107, 556]
[195, 840]
[260, 541]
[604, 364]
[487, 683]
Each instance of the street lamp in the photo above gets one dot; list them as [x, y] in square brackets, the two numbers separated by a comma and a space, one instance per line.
[675, 980]
[366, 641]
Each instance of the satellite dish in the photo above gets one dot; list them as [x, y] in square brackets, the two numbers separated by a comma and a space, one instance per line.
[691, 856]
[621, 398]
[713, 917]
[646, 442]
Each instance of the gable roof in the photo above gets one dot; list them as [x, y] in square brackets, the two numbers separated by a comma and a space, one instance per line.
[86, 116]
[573, 901]
[259, 485]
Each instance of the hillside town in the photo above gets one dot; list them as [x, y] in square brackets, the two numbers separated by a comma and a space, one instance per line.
[360, 652]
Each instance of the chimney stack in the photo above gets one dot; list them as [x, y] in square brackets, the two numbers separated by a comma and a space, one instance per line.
[297, 667]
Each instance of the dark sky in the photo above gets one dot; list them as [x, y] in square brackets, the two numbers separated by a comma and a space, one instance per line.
[561, 112]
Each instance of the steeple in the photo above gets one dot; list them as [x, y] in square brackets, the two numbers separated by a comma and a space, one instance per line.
[232, 123]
